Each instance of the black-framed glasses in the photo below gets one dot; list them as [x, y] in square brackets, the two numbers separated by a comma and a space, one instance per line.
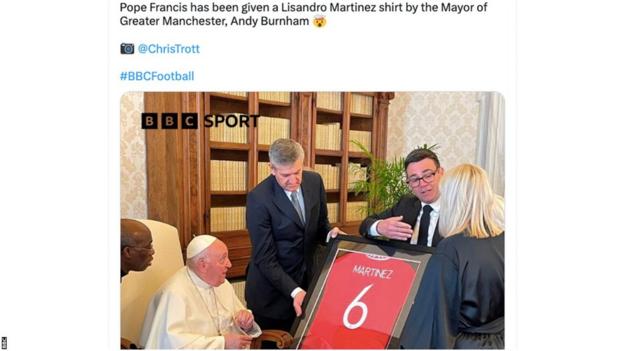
[427, 178]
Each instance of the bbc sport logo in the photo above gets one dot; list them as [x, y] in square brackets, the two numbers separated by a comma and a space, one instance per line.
[190, 120]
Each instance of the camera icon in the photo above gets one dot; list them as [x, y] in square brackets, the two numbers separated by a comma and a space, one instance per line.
[127, 48]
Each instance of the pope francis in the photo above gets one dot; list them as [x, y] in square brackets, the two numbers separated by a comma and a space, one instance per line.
[197, 308]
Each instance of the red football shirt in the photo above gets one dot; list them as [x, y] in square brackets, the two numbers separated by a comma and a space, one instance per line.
[361, 302]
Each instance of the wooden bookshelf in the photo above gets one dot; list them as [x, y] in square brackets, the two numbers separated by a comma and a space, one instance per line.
[228, 146]
[179, 162]
[336, 153]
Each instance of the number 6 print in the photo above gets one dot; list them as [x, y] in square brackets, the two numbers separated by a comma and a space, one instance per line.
[356, 303]
[356, 310]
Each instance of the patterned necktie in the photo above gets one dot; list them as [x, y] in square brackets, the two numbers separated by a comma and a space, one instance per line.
[423, 230]
[295, 202]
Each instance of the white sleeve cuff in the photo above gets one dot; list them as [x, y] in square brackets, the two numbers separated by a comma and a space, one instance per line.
[295, 292]
[373, 229]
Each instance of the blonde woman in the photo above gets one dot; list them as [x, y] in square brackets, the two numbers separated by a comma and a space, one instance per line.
[461, 300]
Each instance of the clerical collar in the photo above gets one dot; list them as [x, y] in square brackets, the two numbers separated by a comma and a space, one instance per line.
[197, 280]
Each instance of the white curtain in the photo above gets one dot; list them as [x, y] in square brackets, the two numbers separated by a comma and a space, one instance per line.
[491, 139]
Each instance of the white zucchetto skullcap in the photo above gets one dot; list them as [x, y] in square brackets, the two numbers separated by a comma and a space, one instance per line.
[199, 244]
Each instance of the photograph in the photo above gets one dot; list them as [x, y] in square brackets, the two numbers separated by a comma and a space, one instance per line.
[280, 184]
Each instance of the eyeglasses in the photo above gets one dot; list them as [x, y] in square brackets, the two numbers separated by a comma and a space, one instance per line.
[427, 178]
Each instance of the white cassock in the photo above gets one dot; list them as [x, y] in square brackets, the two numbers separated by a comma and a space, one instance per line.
[188, 313]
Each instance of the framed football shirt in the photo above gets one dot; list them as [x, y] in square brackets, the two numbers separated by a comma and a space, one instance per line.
[361, 296]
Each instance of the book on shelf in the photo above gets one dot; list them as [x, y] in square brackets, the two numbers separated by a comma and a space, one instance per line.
[332, 212]
[362, 104]
[264, 170]
[223, 133]
[277, 96]
[330, 175]
[356, 210]
[361, 136]
[329, 101]
[356, 172]
[328, 136]
[233, 93]
[223, 219]
[272, 128]
[226, 175]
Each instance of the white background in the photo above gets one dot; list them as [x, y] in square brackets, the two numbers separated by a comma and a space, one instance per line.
[559, 67]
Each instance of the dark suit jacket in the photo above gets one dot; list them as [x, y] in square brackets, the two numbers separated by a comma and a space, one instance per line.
[282, 247]
[408, 207]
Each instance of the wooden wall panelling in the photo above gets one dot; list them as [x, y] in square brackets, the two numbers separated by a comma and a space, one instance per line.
[344, 163]
[304, 126]
[383, 103]
[174, 171]
[194, 181]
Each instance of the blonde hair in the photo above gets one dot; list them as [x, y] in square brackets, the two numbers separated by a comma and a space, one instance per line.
[468, 204]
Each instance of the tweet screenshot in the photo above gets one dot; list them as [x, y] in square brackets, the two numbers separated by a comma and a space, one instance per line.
[311, 174]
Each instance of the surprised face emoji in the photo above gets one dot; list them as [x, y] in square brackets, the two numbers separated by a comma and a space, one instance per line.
[319, 21]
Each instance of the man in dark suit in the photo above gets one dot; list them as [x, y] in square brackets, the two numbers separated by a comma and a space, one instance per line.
[286, 219]
[415, 216]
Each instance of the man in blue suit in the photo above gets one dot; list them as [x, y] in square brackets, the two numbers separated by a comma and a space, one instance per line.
[286, 219]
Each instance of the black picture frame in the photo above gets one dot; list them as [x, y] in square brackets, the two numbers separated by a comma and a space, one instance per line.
[392, 253]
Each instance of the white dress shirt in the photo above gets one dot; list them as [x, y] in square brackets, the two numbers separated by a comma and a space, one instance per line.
[299, 200]
[433, 222]
[434, 215]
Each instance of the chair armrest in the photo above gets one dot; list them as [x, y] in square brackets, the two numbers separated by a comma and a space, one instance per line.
[282, 339]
